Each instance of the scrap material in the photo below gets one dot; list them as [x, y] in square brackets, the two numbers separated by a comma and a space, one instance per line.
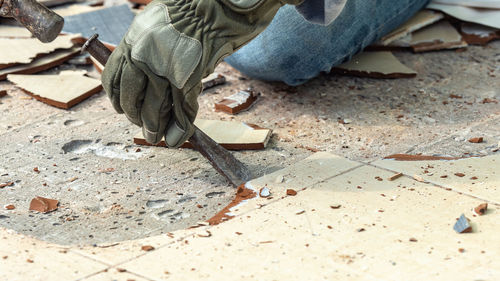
[462, 225]
[486, 4]
[420, 20]
[437, 37]
[488, 17]
[64, 90]
[110, 23]
[238, 102]
[43, 205]
[7, 31]
[231, 135]
[46, 62]
[24, 51]
[481, 209]
[213, 80]
[375, 65]
[3, 93]
[479, 34]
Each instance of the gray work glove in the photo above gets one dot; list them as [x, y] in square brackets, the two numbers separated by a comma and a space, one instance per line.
[154, 75]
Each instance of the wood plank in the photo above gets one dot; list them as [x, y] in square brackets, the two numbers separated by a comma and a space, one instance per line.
[46, 62]
[231, 135]
[64, 90]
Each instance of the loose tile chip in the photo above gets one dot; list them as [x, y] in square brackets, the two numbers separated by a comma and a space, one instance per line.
[147, 248]
[460, 175]
[43, 205]
[238, 102]
[462, 225]
[335, 206]
[395, 177]
[3, 93]
[213, 80]
[476, 140]
[2, 185]
[291, 192]
[9, 207]
[264, 192]
[418, 178]
[481, 209]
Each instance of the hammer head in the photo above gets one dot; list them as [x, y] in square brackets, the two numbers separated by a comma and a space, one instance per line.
[43, 23]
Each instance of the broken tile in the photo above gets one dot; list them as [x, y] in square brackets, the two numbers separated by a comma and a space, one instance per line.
[9, 207]
[40, 64]
[110, 23]
[3, 93]
[481, 209]
[24, 51]
[64, 90]
[441, 35]
[420, 20]
[478, 34]
[476, 140]
[43, 205]
[231, 135]
[376, 65]
[7, 31]
[488, 17]
[213, 80]
[238, 102]
[395, 177]
[462, 225]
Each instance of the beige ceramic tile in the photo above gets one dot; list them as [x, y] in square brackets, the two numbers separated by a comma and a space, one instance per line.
[485, 169]
[304, 238]
[115, 274]
[25, 258]
[314, 169]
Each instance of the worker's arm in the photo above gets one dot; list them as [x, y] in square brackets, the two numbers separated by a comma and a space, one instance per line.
[154, 75]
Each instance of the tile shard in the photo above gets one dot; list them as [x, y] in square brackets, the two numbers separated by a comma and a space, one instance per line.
[488, 17]
[420, 20]
[476, 34]
[375, 65]
[43, 205]
[25, 50]
[64, 90]
[238, 102]
[40, 64]
[481, 209]
[439, 36]
[231, 135]
[476, 140]
[213, 80]
[462, 225]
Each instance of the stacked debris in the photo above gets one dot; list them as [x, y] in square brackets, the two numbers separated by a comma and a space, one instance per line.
[444, 25]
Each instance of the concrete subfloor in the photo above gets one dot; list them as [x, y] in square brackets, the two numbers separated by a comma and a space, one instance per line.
[111, 191]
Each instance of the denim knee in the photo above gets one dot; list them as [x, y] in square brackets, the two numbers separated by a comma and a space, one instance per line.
[293, 50]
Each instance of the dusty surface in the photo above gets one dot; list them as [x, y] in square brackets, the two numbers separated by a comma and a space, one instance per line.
[111, 191]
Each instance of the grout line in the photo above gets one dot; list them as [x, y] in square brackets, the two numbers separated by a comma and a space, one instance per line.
[438, 185]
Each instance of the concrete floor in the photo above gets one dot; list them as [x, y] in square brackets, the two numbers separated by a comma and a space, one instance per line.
[156, 190]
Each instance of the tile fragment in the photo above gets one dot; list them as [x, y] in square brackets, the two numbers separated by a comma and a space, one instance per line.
[476, 34]
[213, 80]
[395, 177]
[238, 102]
[43, 205]
[476, 140]
[147, 248]
[462, 225]
[291, 192]
[481, 209]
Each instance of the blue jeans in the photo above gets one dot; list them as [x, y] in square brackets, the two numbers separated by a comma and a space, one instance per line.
[293, 50]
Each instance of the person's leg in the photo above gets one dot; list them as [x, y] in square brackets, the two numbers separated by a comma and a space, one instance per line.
[293, 50]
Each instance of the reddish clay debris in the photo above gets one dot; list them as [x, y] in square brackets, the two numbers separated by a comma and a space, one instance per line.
[2, 185]
[147, 248]
[408, 157]
[476, 140]
[335, 206]
[36, 170]
[481, 209]
[461, 250]
[3, 93]
[30, 261]
[9, 207]
[395, 177]
[488, 100]
[455, 96]
[291, 192]
[413, 239]
[460, 175]
[121, 270]
[43, 205]
[242, 193]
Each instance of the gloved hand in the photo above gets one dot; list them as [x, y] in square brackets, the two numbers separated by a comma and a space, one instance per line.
[154, 75]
